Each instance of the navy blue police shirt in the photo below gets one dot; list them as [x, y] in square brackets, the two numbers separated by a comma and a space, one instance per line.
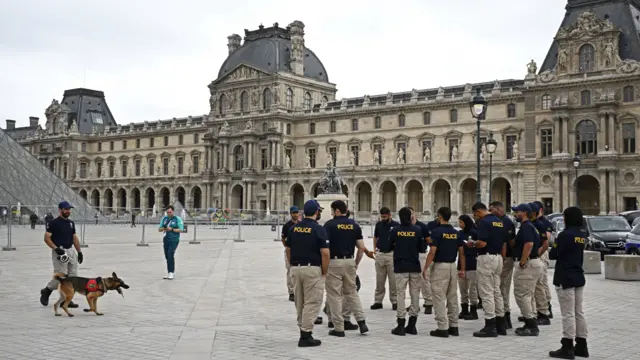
[447, 240]
[343, 234]
[527, 234]
[510, 230]
[406, 242]
[470, 253]
[62, 231]
[491, 230]
[547, 224]
[286, 228]
[431, 225]
[305, 241]
[568, 251]
[542, 230]
[381, 232]
[426, 232]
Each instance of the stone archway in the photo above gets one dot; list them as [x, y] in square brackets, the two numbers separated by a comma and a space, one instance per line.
[83, 194]
[196, 197]
[315, 190]
[588, 191]
[122, 200]
[181, 196]
[441, 194]
[413, 191]
[501, 191]
[136, 199]
[150, 195]
[468, 192]
[165, 196]
[237, 197]
[108, 200]
[388, 193]
[364, 197]
[297, 196]
[95, 198]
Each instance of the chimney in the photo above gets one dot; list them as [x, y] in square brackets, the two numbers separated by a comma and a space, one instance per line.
[33, 121]
[234, 42]
[11, 124]
[296, 57]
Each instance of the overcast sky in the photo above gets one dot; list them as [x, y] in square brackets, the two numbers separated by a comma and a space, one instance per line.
[154, 58]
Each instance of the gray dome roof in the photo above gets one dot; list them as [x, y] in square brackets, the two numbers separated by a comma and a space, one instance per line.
[272, 55]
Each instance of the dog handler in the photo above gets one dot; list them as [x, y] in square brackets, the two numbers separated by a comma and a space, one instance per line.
[61, 237]
[172, 226]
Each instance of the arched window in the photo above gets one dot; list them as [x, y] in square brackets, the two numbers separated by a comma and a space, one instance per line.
[401, 120]
[244, 101]
[628, 94]
[426, 118]
[585, 97]
[332, 126]
[265, 127]
[307, 101]
[223, 104]
[289, 99]
[587, 58]
[238, 155]
[586, 137]
[266, 99]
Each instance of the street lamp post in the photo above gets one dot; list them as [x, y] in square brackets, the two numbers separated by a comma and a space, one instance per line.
[576, 165]
[492, 145]
[478, 106]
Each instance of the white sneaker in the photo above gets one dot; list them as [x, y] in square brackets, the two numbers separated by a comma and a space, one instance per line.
[166, 277]
[170, 276]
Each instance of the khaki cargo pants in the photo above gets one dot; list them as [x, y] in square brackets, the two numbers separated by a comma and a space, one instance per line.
[384, 272]
[489, 270]
[524, 284]
[469, 288]
[425, 288]
[506, 278]
[414, 281]
[574, 323]
[308, 288]
[341, 289]
[542, 294]
[444, 287]
[69, 268]
[288, 267]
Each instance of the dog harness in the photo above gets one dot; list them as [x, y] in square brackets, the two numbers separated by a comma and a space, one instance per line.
[93, 286]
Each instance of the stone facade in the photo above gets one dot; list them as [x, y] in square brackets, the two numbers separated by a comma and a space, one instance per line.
[269, 135]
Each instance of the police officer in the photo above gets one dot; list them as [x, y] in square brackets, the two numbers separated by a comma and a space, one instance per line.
[568, 278]
[344, 236]
[528, 269]
[506, 277]
[60, 236]
[384, 259]
[293, 211]
[308, 254]
[540, 302]
[469, 284]
[446, 246]
[425, 287]
[491, 234]
[407, 242]
[545, 256]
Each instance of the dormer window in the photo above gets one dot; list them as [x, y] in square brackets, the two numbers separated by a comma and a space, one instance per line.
[587, 58]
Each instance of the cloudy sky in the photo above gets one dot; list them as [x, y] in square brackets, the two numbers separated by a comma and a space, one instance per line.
[154, 58]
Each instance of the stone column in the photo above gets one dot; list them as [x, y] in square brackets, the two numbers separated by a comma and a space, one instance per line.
[565, 135]
[603, 192]
[278, 146]
[557, 201]
[602, 125]
[375, 196]
[556, 134]
[225, 156]
[251, 154]
[612, 132]
[613, 192]
[427, 198]
[566, 189]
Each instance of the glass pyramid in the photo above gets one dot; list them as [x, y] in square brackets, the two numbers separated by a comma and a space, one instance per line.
[26, 182]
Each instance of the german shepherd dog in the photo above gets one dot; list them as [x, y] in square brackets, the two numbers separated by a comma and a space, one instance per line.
[92, 288]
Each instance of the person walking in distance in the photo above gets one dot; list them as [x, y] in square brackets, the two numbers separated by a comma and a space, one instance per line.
[506, 277]
[425, 287]
[406, 242]
[468, 284]
[384, 259]
[133, 218]
[344, 236]
[569, 280]
[528, 269]
[308, 253]
[171, 225]
[545, 255]
[490, 242]
[293, 211]
[60, 236]
[446, 246]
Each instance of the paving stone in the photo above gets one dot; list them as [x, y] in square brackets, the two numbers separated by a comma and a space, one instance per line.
[229, 301]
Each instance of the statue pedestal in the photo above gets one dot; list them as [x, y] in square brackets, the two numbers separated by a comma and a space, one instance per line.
[325, 201]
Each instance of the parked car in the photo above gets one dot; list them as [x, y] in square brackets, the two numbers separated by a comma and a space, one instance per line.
[606, 234]
[558, 226]
[632, 244]
[553, 216]
[631, 216]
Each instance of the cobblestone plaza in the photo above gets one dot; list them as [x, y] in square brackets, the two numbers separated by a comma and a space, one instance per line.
[229, 301]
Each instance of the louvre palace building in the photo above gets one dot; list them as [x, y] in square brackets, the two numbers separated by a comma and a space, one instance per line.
[275, 123]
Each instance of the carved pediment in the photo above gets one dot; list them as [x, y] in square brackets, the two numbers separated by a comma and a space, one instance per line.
[511, 130]
[483, 133]
[137, 157]
[180, 154]
[544, 124]
[111, 159]
[452, 134]
[377, 140]
[83, 159]
[332, 143]
[587, 25]
[289, 145]
[240, 72]
[354, 141]
[426, 136]
[401, 138]
[628, 117]
[151, 156]
[98, 159]
[165, 154]
[123, 158]
[195, 152]
[311, 145]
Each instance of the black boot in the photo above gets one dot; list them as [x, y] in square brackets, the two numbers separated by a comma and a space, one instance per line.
[291, 298]
[399, 330]
[394, 307]
[44, 296]
[428, 309]
[581, 349]
[543, 319]
[565, 352]
[489, 329]
[439, 333]
[348, 325]
[376, 306]
[530, 328]
[336, 333]
[330, 325]
[453, 331]
[550, 312]
[306, 340]
[473, 313]
[507, 321]
[522, 318]
[465, 311]
[500, 326]
[318, 320]
[363, 327]
[411, 326]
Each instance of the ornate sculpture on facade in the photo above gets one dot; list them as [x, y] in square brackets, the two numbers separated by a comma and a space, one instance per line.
[376, 157]
[468, 88]
[440, 91]
[497, 85]
[287, 162]
[367, 99]
[77, 171]
[255, 97]
[483, 152]
[307, 161]
[427, 155]
[56, 114]
[532, 68]
[158, 170]
[454, 153]
[143, 169]
[343, 103]
[224, 130]
[74, 127]
[516, 150]
[389, 97]
[562, 60]
[352, 158]
[400, 158]
[330, 182]
[248, 126]
[628, 67]
[608, 54]
[414, 93]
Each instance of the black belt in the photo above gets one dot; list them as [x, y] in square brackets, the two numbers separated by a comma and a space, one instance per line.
[307, 264]
[342, 257]
[386, 252]
[517, 258]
